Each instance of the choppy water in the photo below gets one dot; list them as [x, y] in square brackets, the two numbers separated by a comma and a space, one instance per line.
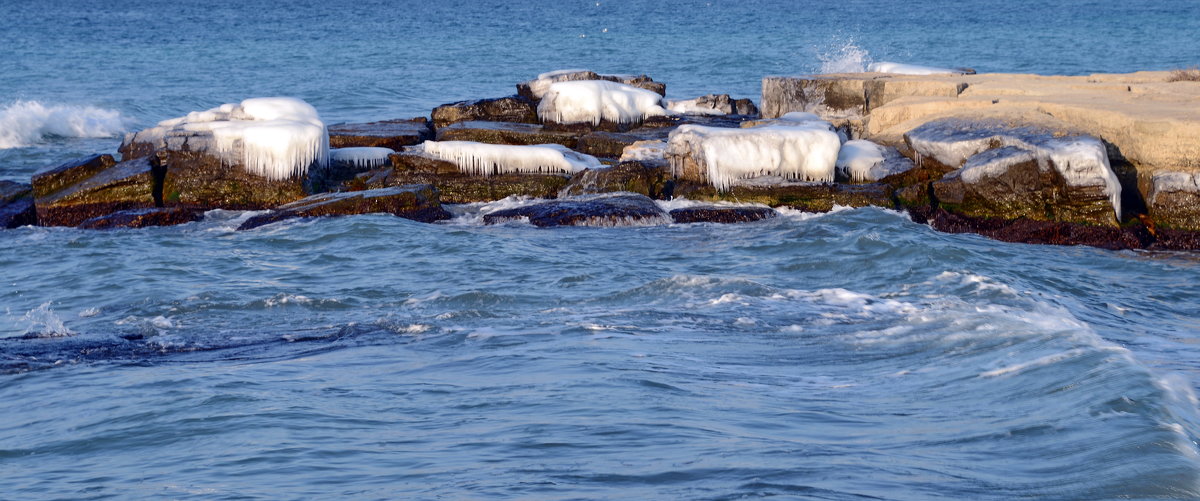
[841, 356]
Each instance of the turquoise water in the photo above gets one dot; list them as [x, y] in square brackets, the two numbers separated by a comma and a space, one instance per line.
[848, 355]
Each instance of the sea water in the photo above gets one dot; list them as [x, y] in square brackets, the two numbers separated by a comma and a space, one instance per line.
[846, 355]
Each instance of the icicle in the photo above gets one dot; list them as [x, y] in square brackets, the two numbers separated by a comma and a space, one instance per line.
[482, 159]
[361, 157]
[805, 151]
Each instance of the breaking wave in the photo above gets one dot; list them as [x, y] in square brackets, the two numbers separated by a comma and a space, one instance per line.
[844, 56]
[24, 123]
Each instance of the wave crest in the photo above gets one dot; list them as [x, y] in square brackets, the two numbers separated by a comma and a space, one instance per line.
[24, 123]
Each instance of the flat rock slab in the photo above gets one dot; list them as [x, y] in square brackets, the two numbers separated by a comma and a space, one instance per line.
[722, 214]
[394, 134]
[16, 204]
[809, 197]
[505, 109]
[416, 202]
[611, 209]
[505, 133]
[141, 218]
[455, 186]
[76, 191]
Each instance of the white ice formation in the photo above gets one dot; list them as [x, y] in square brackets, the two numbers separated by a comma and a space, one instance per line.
[645, 151]
[483, 159]
[910, 69]
[694, 106]
[593, 101]
[362, 157]
[805, 151]
[1165, 182]
[861, 161]
[274, 137]
[541, 84]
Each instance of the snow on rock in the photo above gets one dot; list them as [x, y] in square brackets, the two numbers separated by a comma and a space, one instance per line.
[645, 151]
[993, 163]
[540, 85]
[584, 101]
[274, 137]
[861, 161]
[482, 159]
[805, 151]
[363, 157]
[910, 69]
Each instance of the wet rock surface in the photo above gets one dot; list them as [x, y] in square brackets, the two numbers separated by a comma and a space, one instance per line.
[416, 202]
[394, 134]
[141, 218]
[505, 109]
[16, 204]
[610, 209]
[76, 191]
[1174, 200]
[636, 177]
[505, 133]
[457, 187]
[722, 214]
[810, 197]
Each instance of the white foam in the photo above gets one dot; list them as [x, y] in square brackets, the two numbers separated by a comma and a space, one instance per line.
[483, 159]
[806, 151]
[44, 323]
[909, 69]
[24, 123]
[364, 157]
[593, 101]
[274, 137]
[845, 58]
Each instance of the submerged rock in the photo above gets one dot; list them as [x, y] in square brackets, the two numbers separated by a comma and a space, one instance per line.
[141, 218]
[722, 214]
[94, 186]
[610, 209]
[505, 133]
[394, 134]
[505, 109]
[16, 204]
[416, 202]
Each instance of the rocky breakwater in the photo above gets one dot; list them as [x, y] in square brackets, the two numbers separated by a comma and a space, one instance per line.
[1106, 160]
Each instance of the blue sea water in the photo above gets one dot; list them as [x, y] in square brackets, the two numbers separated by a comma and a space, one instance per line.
[849, 355]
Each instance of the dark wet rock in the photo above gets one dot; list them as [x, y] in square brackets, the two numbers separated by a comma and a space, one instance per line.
[76, 191]
[809, 197]
[1039, 232]
[141, 218]
[505, 109]
[722, 214]
[505, 133]
[340, 171]
[634, 177]
[528, 90]
[457, 187]
[416, 202]
[16, 204]
[610, 144]
[1173, 200]
[197, 179]
[394, 134]
[611, 209]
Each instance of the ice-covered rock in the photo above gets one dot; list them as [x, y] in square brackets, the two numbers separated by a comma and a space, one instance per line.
[273, 137]
[862, 161]
[713, 104]
[482, 159]
[1174, 200]
[648, 152]
[722, 157]
[535, 89]
[361, 157]
[596, 101]
[910, 69]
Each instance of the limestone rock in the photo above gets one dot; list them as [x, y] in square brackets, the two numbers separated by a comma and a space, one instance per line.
[457, 187]
[635, 177]
[505, 133]
[504, 109]
[722, 214]
[75, 191]
[416, 202]
[141, 218]
[612, 144]
[16, 204]
[611, 209]
[394, 134]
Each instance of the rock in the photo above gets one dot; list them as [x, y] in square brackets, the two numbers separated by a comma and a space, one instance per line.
[611, 209]
[722, 214]
[455, 186]
[635, 177]
[861, 161]
[714, 104]
[89, 187]
[505, 133]
[809, 197]
[1174, 200]
[394, 134]
[196, 179]
[850, 95]
[16, 204]
[416, 202]
[505, 109]
[141, 218]
[1014, 172]
[345, 164]
[652, 153]
[612, 144]
[533, 90]
[1038, 232]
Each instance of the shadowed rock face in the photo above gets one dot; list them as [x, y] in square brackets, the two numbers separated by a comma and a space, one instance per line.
[505, 109]
[457, 187]
[141, 218]
[79, 190]
[416, 202]
[722, 214]
[394, 134]
[16, 204]
[610, 209]
[505, 133]
[199, 180]
[634, 177]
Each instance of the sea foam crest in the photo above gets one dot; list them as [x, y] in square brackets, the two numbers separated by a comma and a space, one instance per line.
[23, 123]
